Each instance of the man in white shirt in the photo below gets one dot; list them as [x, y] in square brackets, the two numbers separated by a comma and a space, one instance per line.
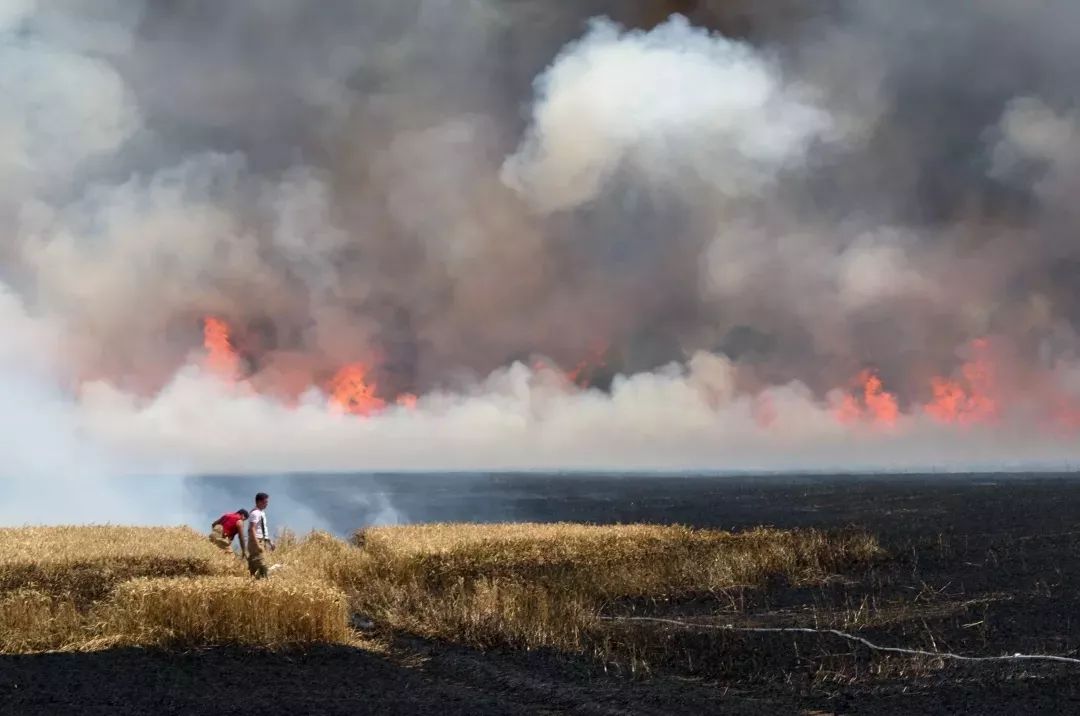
[259, 541]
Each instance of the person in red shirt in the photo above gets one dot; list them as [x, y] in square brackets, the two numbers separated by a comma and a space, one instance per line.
[229, 525]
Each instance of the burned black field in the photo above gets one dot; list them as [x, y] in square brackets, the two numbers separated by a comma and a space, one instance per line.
[976, 565]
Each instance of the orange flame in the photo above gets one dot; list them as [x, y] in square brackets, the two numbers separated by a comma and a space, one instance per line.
[877, 405]
[969, 399]
[406, 400]
[221, 358]
[881, 404]
[350, 392]
[849, 411]
[580, 374]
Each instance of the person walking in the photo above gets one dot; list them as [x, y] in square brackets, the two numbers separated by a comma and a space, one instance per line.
[230, 525]
[259, 542]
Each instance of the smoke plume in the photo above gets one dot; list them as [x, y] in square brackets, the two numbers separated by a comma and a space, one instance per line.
[448, 235]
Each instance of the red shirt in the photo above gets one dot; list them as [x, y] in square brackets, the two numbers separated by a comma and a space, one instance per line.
[230, 524]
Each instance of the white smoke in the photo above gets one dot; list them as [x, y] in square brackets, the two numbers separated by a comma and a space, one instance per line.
[665, 104]
[51, 468]
[689, 417]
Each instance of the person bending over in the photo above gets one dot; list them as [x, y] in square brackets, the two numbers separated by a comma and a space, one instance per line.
[228, 526]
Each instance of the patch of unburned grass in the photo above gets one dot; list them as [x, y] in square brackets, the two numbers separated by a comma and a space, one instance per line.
[610, 561]
[523, 585]
[226, 610]
[321, 556]
[84, 564]
[76, 588]
[33, 621]
[535, 585]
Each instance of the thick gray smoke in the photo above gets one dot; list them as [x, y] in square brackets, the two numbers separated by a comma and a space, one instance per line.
[722, 217]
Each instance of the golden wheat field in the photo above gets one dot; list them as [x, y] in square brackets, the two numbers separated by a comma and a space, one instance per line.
[526, 585]
[86, 563]
[533, 585]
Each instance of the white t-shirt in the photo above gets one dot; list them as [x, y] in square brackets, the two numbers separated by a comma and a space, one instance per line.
[258, 520]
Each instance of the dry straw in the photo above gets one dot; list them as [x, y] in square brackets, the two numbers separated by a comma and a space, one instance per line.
[612, 561]
[33, 621]
[526, 585]
[536, 585]
[226, 610]
[84, 564]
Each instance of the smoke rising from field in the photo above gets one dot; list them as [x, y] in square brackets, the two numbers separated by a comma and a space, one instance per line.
[725, 216]
[663, 106]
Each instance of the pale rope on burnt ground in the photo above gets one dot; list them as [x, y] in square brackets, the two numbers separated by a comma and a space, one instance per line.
[844, 635]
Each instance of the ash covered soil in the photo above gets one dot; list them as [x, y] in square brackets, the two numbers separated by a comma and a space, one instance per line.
[980, 565]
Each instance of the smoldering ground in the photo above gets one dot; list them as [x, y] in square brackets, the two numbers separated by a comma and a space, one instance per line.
[734, 210]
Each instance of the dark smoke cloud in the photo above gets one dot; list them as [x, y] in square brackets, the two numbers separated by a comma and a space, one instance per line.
[771, 195]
